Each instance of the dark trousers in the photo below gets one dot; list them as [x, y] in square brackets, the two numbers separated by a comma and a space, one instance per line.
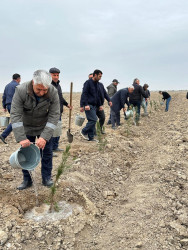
[115, 118]
[101, 116]
[55, 140]
[137, 105]
[46, 160]
[8, 130]
[89, 129]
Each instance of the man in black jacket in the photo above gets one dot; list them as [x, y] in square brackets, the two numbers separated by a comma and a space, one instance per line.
[100, 113]
[92, 99]
[55, 82]
[135, 98]
[166, 97]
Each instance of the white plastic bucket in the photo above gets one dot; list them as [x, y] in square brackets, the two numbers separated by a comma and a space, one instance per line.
[26, 158]
[58, 129]
[79, 120]
[4, 121]
[129, 114]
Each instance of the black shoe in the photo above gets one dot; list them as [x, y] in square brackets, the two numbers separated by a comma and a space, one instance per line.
[3, 139]
[58, 150]
[24, 185]
[47, 183]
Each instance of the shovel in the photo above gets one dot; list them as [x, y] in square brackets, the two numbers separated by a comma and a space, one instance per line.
[69, 135]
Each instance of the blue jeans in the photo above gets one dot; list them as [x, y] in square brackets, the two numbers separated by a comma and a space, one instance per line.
[46, 160]
[8, 130]
[167, 103]
[144, 105]
[92, 119]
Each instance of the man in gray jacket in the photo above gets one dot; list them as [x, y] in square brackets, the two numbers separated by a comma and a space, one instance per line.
[34, 114]
[112, 89]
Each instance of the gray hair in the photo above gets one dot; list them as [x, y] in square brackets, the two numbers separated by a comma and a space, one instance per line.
[42, 77]
[131, 87]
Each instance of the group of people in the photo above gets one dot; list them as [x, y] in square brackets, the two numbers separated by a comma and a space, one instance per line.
[36, 107]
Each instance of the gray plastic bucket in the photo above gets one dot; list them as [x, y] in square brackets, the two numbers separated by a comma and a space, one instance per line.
[79, 120]
[26, 158]
[58, 129]
[4, 121]
[129, 113]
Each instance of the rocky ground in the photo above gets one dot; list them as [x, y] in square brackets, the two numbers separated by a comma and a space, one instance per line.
[133, 192]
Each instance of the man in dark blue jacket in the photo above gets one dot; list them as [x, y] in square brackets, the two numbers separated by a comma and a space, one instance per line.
[56, 83]
[100, 113]
[119, 100]
[7, 100]
[92, 98]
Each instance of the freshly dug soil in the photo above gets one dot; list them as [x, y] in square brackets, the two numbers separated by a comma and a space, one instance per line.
[132, 189]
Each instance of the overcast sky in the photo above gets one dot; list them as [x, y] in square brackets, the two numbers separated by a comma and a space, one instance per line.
[145, 39]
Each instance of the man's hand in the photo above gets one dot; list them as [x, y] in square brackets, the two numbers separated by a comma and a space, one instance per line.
[87, 107]
[5, 110]
[82, 109]
[110, 103]
[41, 143]
[70, 107]
[25, 143]
[124, 109]
[101, 108]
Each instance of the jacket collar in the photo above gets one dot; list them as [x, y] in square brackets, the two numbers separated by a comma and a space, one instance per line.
[56, 83]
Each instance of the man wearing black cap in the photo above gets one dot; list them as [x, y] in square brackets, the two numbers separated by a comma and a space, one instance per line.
[55, 82]
[112, 89]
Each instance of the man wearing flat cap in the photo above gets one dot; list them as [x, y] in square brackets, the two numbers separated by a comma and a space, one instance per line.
[56, 83]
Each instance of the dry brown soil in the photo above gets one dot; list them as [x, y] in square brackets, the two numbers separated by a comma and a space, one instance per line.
[133, 194]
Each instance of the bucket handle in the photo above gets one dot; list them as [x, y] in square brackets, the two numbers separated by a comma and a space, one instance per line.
[39, 149]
